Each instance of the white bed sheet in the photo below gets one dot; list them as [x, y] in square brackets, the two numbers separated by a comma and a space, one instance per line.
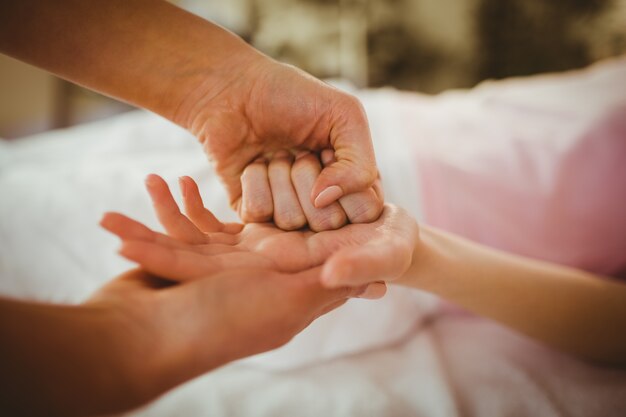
[414, 360]
[56, 187]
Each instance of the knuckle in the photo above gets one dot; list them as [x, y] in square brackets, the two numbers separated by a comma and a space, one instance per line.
[328, 220]
[282, 157]
[250, 171]
[256, 210]
[280, 164]
[367, 212]
[305, 164]
[353, 103]
[290, 220]
[369, 174]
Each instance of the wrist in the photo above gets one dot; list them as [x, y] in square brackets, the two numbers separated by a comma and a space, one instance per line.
[130, 351]
[71, 355]
[169, 340]
[209, 77]
[156, 341]
[427, 265]
[125, 359]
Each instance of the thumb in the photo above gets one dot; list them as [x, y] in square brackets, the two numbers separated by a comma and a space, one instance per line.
[355, 167]
[380, 260]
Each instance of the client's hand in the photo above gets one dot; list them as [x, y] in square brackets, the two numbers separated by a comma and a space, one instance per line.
[281, 189]
[200, 244]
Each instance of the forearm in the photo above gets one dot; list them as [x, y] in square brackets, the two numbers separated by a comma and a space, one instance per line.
[77, 360]
[572, 310]
[145, 52]
[61, 354]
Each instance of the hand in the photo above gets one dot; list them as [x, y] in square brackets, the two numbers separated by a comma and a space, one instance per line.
[200, 244]
[281, 189]
[217, 318]
[264, 106]
[140, 336]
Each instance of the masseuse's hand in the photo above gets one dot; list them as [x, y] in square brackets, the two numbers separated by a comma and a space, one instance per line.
[216, 318]
[140, 336]
[271, 106]
[284, 185]
[200, 244]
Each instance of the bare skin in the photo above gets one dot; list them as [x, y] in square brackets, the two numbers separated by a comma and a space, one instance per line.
[285, 182]
[199, 244]
[140, 336]
[239, 103]
[571, 310]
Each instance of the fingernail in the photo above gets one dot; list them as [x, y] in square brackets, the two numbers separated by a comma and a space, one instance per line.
[329, 195]
[183, 186]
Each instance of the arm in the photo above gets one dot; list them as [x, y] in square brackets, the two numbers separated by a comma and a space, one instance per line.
[51, 352]
[149, 53]
[140, 336]
[569, 309]
[240, 104]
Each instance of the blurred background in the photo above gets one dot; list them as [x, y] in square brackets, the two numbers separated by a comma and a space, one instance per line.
[420, 45]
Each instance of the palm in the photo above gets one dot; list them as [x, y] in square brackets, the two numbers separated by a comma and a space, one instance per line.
[298, 250]
[199, 244]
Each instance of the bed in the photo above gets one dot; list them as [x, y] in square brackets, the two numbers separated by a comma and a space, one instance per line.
[409, 354]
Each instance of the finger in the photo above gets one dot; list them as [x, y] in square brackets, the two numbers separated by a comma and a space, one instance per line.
[288, 214]
[374, 291]
[380, 260]
[176, 225]
[175, 264]
[330, 307]
[256, 195]
[378, 188]
[222, 238]
[355, 168]
[128, 229]
[184, 265]
[363, 206]
[217, 249]
[201, 217]
[327, 156]
[303, 174]
[311, 294]
[233, 228]
[360, 207]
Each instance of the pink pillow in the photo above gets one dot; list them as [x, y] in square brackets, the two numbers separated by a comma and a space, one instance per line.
[534, 166]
